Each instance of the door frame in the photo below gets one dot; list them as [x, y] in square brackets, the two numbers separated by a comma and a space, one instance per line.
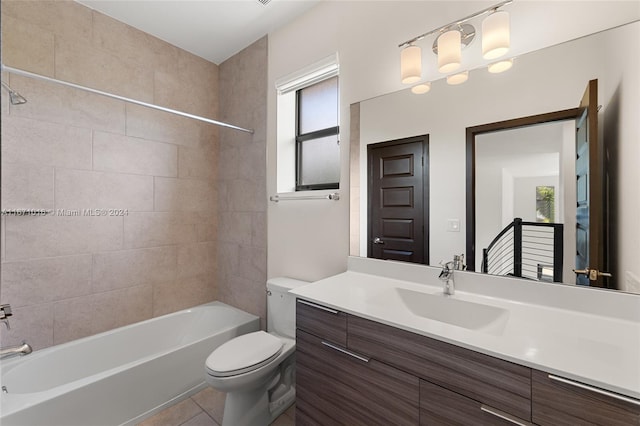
[471, 133]
[425, 183]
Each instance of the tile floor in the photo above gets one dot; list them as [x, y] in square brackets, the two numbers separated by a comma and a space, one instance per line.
[204, 409]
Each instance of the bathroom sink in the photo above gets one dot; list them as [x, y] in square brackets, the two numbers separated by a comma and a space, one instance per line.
[448, 309]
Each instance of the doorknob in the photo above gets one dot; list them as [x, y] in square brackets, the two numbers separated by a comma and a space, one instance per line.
[593, 274]
[378, 240]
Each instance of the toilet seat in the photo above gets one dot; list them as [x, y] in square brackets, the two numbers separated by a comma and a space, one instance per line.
[244, 354]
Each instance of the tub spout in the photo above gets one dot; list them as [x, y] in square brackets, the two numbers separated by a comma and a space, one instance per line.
[22, 349]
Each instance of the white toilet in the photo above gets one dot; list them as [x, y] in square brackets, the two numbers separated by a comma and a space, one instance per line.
[257, 369]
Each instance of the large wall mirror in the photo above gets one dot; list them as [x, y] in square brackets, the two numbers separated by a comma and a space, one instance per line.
[525, 172]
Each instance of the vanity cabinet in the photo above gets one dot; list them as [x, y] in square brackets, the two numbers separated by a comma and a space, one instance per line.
[354, 371]
[337, 386]
[557, 401]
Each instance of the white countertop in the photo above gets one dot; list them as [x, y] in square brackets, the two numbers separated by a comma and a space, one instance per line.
[566, 339]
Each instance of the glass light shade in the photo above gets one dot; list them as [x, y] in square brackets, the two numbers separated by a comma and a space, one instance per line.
[495, 35]
[458, 78]
[410, 64]
[449, 51]
[500, 66]
[421, 88]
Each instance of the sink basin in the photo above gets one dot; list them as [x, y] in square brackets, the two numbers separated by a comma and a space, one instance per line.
[448, 309]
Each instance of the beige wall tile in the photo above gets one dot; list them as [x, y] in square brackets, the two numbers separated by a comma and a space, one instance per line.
[26, 46]
[64, 18]
[128, 268]
[2, 245]
[26, 186]
[229, 160]
[185, 195]
[246, 196]
[59, 104]
[176, 91]
[181, 294]
[37, 281]
[175, 415]
[197, 260]
[259, 229]
[165, 127]
[87, 315]
[133, 45]
[248, 295]
[33, 324]
[38, 142]
[159, 228]
[30, 237]
[124, 154]
[253, 263]
[78, 189]
[228, 261]
[80, 62]
[235, 227]
[198, 162]
[206, 225]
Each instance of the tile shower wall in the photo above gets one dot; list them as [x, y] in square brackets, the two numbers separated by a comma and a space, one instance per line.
[69, 275]
[242, 197]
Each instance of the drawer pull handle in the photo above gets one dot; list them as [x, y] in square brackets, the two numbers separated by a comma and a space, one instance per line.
[504, 416]
[594, 389]
[344, 351]
[313, 305]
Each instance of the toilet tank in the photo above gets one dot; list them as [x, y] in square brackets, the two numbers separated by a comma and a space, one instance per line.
[281, 306]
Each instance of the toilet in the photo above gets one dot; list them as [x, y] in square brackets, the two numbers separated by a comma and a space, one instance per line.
[256, 370]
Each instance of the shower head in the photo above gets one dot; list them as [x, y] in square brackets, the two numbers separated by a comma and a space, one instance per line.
[14, 97]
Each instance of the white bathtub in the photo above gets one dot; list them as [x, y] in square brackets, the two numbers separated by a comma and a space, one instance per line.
[121, 376]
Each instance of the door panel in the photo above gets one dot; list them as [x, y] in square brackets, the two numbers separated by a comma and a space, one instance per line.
[398, 191]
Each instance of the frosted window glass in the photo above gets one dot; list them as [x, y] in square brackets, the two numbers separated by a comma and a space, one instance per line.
[320, 161]
[319, 106]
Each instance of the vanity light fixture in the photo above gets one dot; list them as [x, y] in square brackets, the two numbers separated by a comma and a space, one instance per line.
[459, 78]
[450, 41]
[411, 64]
[495, 34]
[421, 88]
[500, 66]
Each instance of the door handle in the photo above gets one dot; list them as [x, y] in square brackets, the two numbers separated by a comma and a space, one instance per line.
[593, 274]
[378, 240]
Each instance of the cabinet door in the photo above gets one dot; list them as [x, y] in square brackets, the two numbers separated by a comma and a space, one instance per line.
[334, 387]
[321, 321]
[492, 381]
[559, 403]
[442, 407]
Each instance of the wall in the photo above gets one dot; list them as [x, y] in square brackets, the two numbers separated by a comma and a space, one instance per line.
[309, 239]
[242, 201]
[71, 276]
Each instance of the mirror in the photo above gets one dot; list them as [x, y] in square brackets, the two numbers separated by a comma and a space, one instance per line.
[551, 79]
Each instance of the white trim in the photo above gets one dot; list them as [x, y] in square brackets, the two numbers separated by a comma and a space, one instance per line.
[311, 74]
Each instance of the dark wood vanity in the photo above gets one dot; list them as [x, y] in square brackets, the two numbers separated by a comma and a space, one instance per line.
[354, 371]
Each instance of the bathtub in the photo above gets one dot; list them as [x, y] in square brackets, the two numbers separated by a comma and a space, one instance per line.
[118, 377]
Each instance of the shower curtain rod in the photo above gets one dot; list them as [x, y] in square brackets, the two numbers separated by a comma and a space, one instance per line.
[121, 98]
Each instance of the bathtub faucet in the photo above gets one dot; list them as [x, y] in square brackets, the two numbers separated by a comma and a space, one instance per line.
[23, 349]
[5, 313]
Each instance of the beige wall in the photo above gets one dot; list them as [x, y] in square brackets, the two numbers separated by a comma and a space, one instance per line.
[69, 277]
[242, 200]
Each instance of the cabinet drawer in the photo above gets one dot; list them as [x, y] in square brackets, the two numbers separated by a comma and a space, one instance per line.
[321, 321]
[558, 403]
[440, 406]
[336, 388]
[491, 381]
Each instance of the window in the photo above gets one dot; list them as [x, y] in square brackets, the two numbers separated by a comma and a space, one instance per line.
[317, 144]
[308, 150]
[545, 204]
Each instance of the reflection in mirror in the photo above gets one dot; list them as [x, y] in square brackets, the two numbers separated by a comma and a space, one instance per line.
[551, 79]
[526, 173]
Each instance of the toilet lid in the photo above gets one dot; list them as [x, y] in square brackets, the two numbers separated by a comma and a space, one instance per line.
[244, 353]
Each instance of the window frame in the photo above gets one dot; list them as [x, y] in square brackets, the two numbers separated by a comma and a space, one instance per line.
[316, 134]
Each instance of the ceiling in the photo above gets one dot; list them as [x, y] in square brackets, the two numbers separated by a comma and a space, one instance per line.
[212, 29]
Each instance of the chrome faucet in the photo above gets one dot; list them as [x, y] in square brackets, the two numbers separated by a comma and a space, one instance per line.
[446, 276]
[23, 349]
[5, 313]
